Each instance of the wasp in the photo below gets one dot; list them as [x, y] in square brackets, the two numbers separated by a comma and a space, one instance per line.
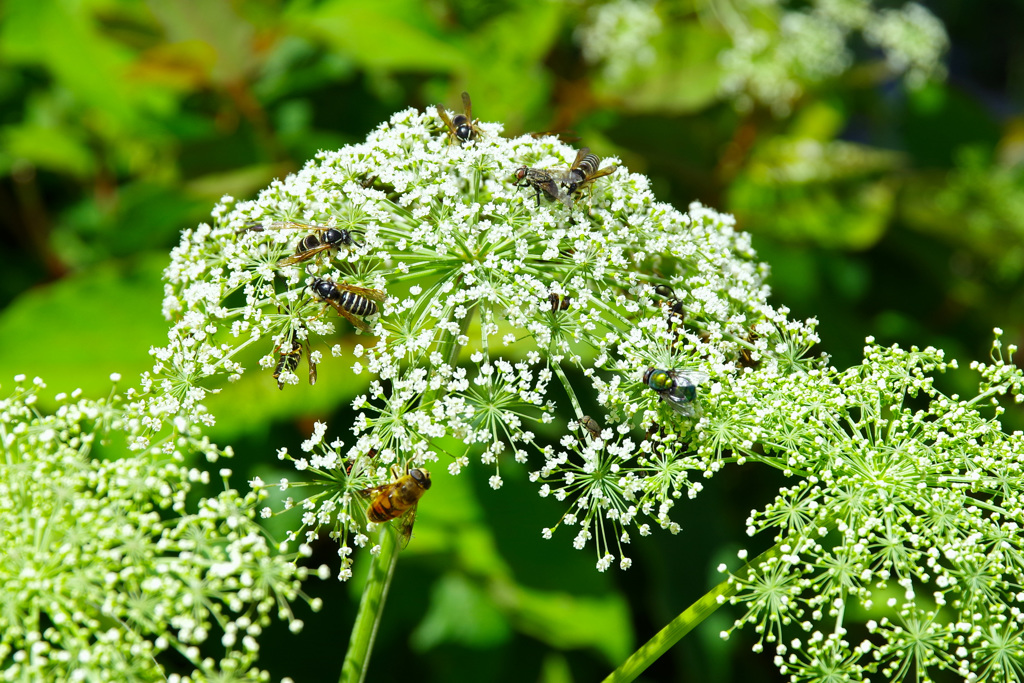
[539, 180]
[591, 425]
[311, 245]
[348, 300]
[320, 239]
[462, 127]
[677, 312]
[289, 360]
[398, 500]
[583, 171]
[678, 388]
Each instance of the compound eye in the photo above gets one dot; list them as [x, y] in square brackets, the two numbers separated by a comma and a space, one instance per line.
[422, 477]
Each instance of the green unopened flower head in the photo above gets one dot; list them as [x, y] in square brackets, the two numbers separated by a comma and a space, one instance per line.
[106, 574]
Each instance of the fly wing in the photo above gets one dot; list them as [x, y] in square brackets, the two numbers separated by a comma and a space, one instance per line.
[467, 106]
[680, 405]
[579, 157]
[348, 316]
[372, 294]
[444, 117]
[304, 255]
[694, 377]
[403, 527]
[608, 170]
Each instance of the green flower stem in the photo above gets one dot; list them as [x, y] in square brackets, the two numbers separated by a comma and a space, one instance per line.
[664, 639]
[557, 367]
[375, 592]
[371, 608]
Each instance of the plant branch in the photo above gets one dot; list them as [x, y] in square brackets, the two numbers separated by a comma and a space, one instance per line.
[664, 639]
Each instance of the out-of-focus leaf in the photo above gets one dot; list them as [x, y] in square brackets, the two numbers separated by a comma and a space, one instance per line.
[239, 182]
[462, 613]
[683, 78]
[831, 194]
[978, 207]
[297, 65]
[183, 66]
[144, 216]
[940, 121]
[75, 332]
[55, 148]
[64, 38]
[573, 621]
[848, 218]
[388, 34]
[555, 669]
[503, 63]
[198, 29]
[255, 399]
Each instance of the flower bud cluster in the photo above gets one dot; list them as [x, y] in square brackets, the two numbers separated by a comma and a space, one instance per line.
[106, 574]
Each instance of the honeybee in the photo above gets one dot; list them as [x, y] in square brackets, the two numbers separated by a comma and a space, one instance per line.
[540, 179]
[584, 170]
[462, 127]
[398, 500]
[289, 360]
[348, 300]
[678, 388]
[591, 425]
[559, 302]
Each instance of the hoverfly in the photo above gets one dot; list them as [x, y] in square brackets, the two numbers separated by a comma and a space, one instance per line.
[348, 300]
[584, 170]
[398, 500]
[322, 238]
[540, 179]
[591, 425]
[462, 127]
[289, 360]
[678, 388]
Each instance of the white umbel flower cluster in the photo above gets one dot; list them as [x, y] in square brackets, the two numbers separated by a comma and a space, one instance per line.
[491, 317]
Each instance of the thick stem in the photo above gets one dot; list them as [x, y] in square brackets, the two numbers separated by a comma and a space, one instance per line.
[684, 623]
[371, 608]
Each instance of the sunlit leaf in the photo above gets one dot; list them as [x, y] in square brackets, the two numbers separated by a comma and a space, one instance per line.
[392, 34]
[75, 332]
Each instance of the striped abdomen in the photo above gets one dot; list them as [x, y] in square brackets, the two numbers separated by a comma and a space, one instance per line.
[354, 303]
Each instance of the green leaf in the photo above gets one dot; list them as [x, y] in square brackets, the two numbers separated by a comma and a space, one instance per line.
[831, 193]
[569, 621]
[460, 612]
[388, 34]
[77, 331]
[684, 77]
[54, 148]
[64, 38]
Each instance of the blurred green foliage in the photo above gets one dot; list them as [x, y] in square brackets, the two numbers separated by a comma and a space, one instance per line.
[883, 210]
